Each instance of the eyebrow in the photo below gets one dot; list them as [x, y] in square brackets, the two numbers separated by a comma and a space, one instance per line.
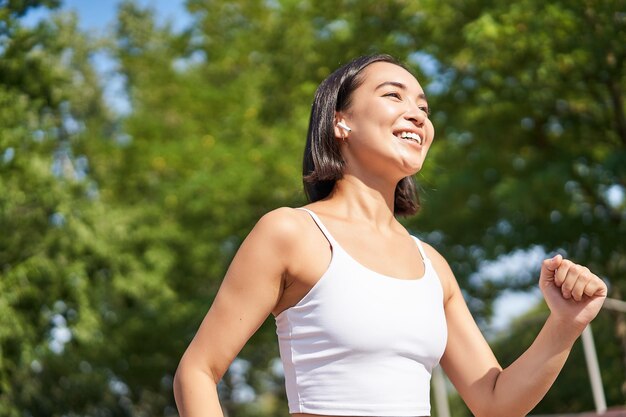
[398, 85]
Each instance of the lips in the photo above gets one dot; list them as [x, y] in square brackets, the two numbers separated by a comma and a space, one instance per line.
[409, 135]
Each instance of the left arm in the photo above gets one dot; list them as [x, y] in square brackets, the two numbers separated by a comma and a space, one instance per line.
[574, 296]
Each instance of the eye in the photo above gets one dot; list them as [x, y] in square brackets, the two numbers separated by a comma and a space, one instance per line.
[425, 109]
[393, 94]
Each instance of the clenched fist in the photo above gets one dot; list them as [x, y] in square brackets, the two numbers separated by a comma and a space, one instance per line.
[573, 293]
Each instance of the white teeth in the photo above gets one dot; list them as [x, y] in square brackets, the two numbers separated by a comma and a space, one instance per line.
[412, 136]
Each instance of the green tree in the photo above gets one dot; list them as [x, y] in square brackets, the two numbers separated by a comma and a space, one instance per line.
[532, 110]
[120, 230]
[66, 281]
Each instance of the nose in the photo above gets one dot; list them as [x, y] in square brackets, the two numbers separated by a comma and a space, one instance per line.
[416, 115]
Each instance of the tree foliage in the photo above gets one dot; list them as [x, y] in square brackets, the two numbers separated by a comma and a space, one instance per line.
[117, 229]
[532, 109]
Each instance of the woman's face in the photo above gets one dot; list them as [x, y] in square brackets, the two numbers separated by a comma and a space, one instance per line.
[388, 115]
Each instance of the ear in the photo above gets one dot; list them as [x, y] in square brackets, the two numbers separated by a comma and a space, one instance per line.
[341, 132]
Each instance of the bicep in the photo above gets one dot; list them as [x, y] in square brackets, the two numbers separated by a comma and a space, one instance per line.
[468, 359]
[250, 290]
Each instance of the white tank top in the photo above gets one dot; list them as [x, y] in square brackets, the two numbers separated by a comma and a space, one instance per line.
[361, 343]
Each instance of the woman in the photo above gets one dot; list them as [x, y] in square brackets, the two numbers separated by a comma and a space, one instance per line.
[364, 311]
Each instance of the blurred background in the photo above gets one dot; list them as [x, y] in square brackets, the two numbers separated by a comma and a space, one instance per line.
[140, 141]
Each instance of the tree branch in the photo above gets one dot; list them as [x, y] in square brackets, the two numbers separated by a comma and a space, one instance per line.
[618, 109]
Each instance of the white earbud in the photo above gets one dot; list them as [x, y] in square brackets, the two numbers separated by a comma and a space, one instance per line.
[344, 126]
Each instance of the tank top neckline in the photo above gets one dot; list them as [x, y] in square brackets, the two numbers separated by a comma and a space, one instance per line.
[336, 245]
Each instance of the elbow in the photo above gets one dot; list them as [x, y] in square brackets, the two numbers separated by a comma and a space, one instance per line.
[179, 382]
[499, 413]
[483, 413]
[497, 410]
[188, 374]
[493, 405]
[488, 412]
[183, 377]
[195, 386]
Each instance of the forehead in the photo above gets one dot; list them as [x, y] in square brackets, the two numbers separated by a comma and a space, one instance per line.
[381, 72]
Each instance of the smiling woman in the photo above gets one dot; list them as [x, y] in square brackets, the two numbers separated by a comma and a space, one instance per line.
[364, 311]
[323, 161]
[391, 104]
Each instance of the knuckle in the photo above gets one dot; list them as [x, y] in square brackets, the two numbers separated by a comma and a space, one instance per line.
[576, 269]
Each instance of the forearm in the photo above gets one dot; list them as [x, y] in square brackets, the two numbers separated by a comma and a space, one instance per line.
[520, 386]
[195, 392]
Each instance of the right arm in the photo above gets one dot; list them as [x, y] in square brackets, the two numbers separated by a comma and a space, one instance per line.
[249, 292]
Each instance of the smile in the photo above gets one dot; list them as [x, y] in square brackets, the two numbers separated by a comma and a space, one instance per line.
[410, 136]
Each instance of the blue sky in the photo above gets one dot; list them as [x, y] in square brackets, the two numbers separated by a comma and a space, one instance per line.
[100, 14]
[97, 18]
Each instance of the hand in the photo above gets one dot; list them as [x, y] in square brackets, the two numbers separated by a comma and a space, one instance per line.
[573, 293]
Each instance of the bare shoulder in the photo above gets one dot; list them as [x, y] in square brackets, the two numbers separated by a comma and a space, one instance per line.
[281, 227]
[283, 221]
[434, 255]
[290, 236]
[448, 281]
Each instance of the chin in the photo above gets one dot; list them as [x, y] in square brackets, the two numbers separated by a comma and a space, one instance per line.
[412, 170]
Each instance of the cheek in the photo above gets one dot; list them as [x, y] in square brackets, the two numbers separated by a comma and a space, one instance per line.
[376, 111]
[430, 130]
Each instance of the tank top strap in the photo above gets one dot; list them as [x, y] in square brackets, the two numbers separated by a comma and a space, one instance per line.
[321, 226]
[421, 249]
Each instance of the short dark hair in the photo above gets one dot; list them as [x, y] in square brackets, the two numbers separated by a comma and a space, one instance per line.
[322, 164]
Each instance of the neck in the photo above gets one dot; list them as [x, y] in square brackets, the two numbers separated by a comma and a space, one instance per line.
[359, 200]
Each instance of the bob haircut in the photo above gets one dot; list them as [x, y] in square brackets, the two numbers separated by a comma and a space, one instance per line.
[322, 164]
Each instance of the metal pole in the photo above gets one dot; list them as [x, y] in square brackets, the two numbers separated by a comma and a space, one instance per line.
[594, 370]
[615, 304]
[441, 396]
